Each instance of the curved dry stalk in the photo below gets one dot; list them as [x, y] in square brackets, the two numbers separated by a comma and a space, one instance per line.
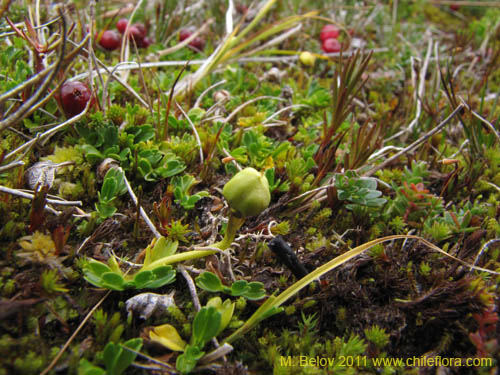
[248, 102]
[48, 23]
[141, 210]
[124, 52]
[22, 194]
[206, 91]
[131, 65]
[283, 110]
[482, 119]
[417, 143]
[419, 94]
[274, 41]
[191, 287]
[14, 164]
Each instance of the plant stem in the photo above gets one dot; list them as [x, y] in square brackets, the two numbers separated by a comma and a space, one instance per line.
[233, 225]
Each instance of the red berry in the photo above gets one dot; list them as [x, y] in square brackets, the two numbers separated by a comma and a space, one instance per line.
[184, 34]
[328, 32]
[121, 25]
[197, 44]
[110, 40]
[241, 8]
[74, 96]
[145, 43]
[454, 7]
[141, 28]
[331, 45]
[136, 35]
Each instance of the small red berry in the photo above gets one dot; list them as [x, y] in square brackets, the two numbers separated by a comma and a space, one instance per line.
[197, 44]
[110, 40]
[331, 45]
[328, 32]
[136, 35]
[121, 25]
[184, 34]
[141, 28]
[241, 8]
[74, 96]
[145, 43]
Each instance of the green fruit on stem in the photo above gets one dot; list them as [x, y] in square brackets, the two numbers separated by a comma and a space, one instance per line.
[247, 193]
[307, 58]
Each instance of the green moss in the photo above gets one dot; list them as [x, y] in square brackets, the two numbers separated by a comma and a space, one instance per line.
[32, 363]
[62, 154]
[377, 336]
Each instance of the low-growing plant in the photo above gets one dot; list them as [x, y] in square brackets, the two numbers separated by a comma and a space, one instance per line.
[182, 187]
[50, 282]
[360, 191]
[210, 282]
[113, 186]
[115, 356]
[275, 183]
[152, 274]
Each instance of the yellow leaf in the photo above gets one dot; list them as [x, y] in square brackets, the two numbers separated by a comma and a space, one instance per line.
[168, 336]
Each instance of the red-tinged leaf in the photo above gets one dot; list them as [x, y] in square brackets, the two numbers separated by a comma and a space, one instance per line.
[37, 213]
[60, 236]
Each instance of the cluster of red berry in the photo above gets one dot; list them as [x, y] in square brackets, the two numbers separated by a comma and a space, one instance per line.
[328, 36]
[111, 40]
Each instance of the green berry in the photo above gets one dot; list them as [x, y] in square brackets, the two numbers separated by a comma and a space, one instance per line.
[247, 192]
[307, 58]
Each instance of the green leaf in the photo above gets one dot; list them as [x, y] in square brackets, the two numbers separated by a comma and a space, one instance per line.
[205, 325]
[92, 154]
[158, 277]
[142, 278]
[239, 288]
[87, 368]
[196, 114]
[108, 190]
[273, 311]
[255, 291]
[98, 268]
[113, 281]
[164, 275]
[110, 356]
[126, 357]
[187, 361]
[162, 248]
[226, 309]
[145, 169]
[93, 279]
[105, 210]
[210, 282]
